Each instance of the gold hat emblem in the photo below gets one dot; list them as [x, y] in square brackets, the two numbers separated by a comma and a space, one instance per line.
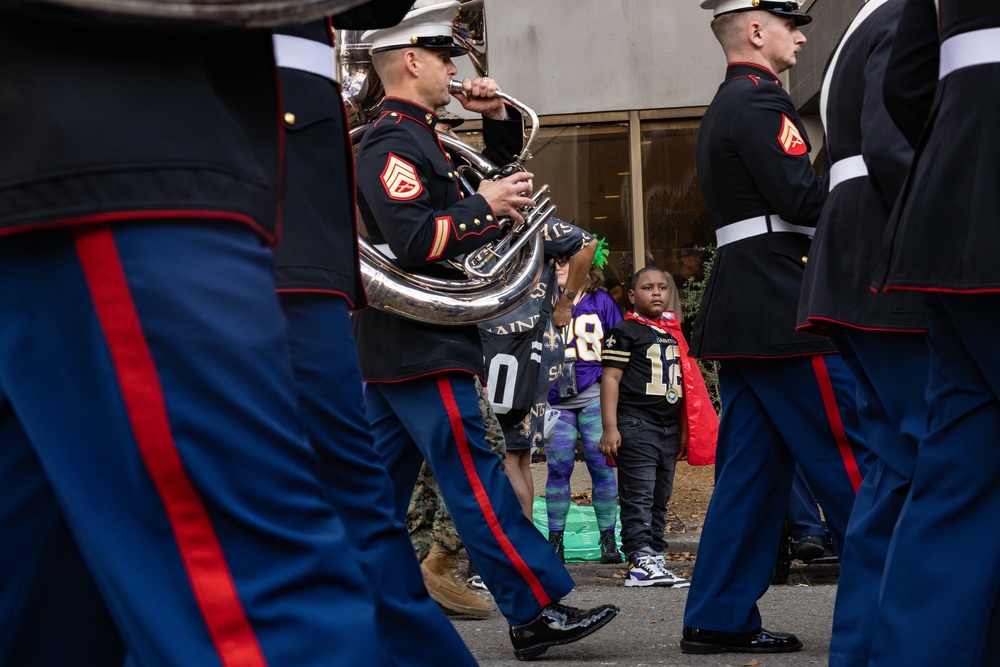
[413, 40]
[755, 3]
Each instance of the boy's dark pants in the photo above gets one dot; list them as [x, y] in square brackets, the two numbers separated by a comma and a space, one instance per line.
[646, 462]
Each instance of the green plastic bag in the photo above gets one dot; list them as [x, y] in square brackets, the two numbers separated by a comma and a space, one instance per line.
[581, 540]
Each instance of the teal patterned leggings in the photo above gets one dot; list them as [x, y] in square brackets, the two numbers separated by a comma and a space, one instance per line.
[583, 424]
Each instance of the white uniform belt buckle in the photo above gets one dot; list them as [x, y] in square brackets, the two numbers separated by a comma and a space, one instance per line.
[846, 169]
[978, 47]
[305, 55]
[745, 229]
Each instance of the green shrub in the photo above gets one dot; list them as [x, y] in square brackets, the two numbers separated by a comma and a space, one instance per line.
[692, 292]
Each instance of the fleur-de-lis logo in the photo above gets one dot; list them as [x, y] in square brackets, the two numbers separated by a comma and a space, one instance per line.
[552, 340]
[610, 341]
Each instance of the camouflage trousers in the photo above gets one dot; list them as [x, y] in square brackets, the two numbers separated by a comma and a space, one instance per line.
[427, 517]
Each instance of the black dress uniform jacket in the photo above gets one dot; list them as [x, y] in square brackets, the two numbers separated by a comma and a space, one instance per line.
[753, 160]
[844, 254]
[911, 75]
[945, 233]
[98, 139]
[409, 196]
[318, 251]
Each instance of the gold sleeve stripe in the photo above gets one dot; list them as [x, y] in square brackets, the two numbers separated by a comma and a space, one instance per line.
[615, 355]
[441, 227]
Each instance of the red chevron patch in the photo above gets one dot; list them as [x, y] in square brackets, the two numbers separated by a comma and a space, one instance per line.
[400, 179]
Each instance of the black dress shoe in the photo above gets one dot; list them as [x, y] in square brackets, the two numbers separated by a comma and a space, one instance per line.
[708, 641]
[557, 624]
[809, 547]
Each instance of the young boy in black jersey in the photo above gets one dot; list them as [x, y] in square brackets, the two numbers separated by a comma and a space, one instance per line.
[641, 394]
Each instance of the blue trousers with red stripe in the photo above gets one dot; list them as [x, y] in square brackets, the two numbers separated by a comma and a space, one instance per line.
[145, 386]
[891, 369]
[437, 418]
[774, 412]
[414, 630]
[953, 503]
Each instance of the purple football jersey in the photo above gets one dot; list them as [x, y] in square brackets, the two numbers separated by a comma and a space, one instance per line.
[593, 317]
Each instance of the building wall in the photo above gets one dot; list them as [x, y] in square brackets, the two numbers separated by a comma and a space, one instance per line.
[830, 19]
[582, 56]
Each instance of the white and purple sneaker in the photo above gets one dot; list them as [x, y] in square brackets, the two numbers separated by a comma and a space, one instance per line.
[650, 570]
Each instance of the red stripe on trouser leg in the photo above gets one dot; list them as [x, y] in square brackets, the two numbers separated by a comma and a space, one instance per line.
[455, 417]
[139, 382]
[836, 423]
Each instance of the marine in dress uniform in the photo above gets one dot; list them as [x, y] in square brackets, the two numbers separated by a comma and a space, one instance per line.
[421, 396]
[942, 241]
[318, 279]
[880, 336]
[148, 411]
[786, 396]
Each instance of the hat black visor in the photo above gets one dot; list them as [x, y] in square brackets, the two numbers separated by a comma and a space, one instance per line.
[437, 42]
[800, 18]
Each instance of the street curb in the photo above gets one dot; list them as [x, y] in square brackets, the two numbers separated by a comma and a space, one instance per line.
[683, 542]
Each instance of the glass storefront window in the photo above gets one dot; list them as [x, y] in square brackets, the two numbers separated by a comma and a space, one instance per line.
[674, 209]
[587, 168]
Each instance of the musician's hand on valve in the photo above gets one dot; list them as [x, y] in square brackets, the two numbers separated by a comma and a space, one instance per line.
[480, 96]
[507, 195]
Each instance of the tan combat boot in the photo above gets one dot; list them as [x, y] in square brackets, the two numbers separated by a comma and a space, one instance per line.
[447, 588]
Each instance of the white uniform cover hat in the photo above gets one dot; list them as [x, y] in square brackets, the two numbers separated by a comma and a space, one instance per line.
[428, 26]
[788, 8]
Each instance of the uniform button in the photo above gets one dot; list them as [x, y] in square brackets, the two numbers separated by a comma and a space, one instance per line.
[447, 155]
[394, 114]
[451, 174]
[489, 218]
[477, 221]
[804, 259]
[290, 118]
[461, 227]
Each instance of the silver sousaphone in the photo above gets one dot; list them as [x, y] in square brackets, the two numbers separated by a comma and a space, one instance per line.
[499, 275]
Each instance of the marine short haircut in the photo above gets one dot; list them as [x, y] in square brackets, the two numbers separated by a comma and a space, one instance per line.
[728, 28]
[385, 63]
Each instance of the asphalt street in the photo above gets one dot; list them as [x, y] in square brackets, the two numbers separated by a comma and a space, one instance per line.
[648, 629]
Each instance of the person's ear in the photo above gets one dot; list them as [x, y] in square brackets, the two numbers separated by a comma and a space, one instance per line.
[411, 61]
[631, 296]
[755, 30]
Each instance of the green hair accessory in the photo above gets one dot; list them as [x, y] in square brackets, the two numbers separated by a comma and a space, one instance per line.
[601, 254]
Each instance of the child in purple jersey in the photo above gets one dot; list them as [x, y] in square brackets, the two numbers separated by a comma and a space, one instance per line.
[642, 394]
[594, 313]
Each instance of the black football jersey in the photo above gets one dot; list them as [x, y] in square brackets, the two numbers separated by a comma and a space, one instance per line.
[651, 385]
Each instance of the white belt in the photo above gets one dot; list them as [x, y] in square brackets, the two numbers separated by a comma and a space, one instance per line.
[305, 55]
[979, 47]
[846, 169]
[744, 229]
